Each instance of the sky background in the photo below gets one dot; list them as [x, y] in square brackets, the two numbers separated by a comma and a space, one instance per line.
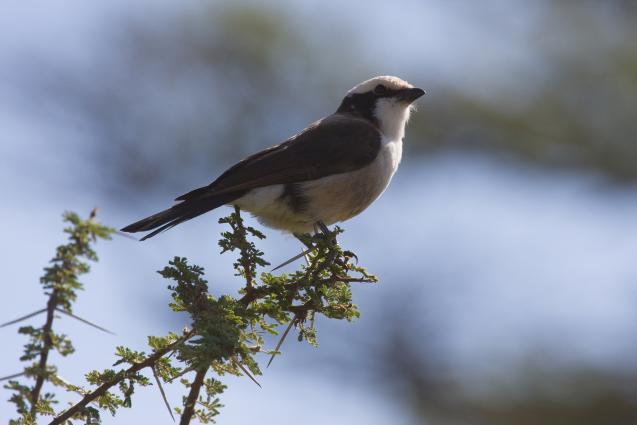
[505, 245]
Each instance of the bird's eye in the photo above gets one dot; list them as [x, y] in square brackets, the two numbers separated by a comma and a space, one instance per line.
[380, 89]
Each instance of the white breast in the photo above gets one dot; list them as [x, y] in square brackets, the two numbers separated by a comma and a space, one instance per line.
[342, 196]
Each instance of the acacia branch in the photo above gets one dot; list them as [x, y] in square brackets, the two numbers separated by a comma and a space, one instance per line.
[47, 342]
[305, 289]
[245, 262]
[191, 401]
[102, 389]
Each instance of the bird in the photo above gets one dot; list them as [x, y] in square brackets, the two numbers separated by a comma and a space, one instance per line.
[328, 173]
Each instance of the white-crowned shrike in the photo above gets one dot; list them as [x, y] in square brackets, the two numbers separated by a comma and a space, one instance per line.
[327, 173]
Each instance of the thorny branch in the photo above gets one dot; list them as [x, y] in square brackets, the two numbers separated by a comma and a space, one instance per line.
[225, 333]
[193, 395]
[102, 389]
[60, 282]
[44, 354]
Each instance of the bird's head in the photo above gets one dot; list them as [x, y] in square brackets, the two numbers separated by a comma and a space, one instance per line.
[385, 101]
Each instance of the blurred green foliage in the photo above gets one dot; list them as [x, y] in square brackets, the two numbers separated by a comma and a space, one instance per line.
[536, 389]
[212, 84]
[577, 113]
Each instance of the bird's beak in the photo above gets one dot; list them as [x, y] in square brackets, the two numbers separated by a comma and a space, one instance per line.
[409, 95]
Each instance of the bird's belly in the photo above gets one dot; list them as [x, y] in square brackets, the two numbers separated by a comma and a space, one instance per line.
[271, 207]
[329, 199]
[342, 196]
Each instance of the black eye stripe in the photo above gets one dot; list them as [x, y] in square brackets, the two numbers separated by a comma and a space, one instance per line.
[360, 104]
[380, 90]
[385, 92]
[364, 104]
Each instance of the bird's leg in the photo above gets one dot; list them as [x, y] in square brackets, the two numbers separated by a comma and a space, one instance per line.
[326, 232]
[323, 228]
[309, 249]
[307, 244]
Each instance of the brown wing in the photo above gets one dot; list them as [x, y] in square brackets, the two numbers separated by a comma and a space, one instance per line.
[336, 144]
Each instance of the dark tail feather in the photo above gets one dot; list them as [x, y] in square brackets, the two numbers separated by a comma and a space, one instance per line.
[197, 193]
[179, 213]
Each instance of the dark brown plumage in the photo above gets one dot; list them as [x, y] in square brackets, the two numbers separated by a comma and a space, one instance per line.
[337, 144]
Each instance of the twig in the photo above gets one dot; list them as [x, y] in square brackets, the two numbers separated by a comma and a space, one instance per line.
[182, 373]
[35, 313]
[163, 394]
[83, 320]
[44, 354]
[102, 389]
[245, 263]
[195, 387]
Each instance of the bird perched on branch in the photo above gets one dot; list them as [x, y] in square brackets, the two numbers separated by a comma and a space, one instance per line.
[327, 173]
